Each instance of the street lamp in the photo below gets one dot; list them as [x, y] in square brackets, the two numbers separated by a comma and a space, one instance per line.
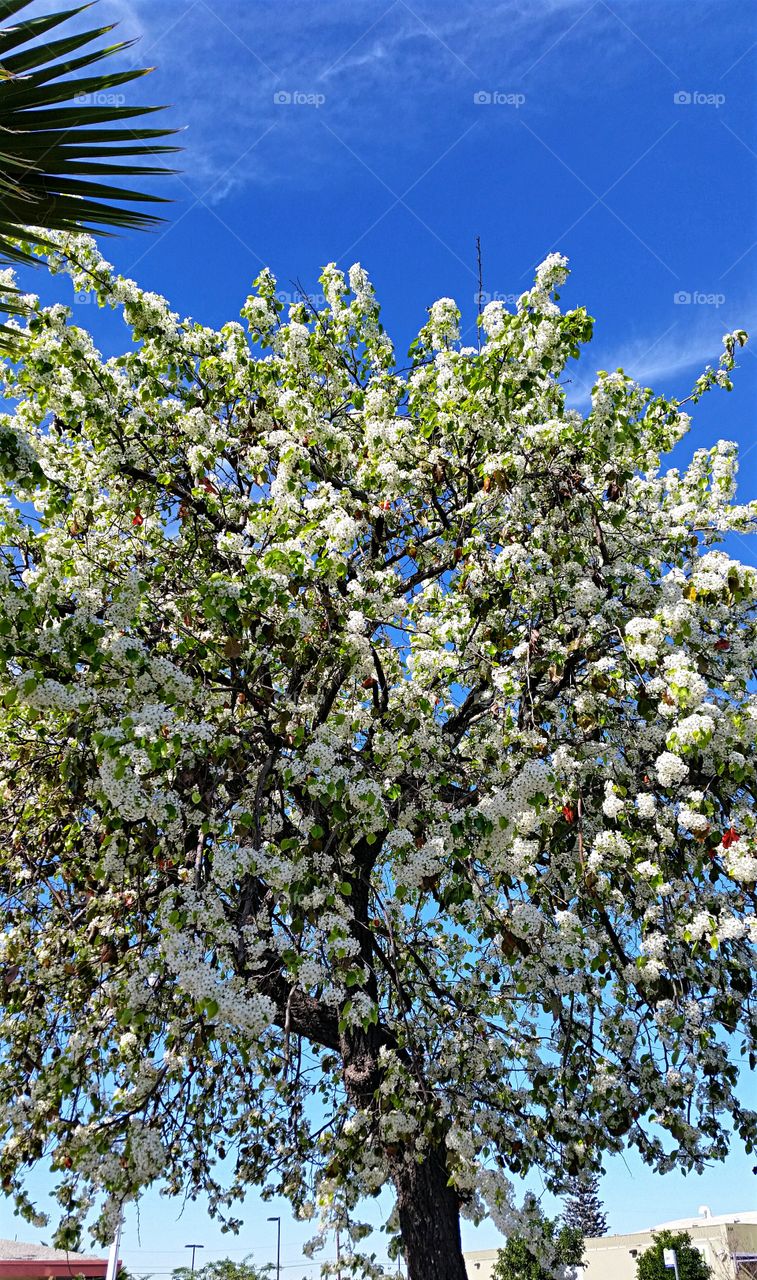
[193, 1247]
[278, 1246]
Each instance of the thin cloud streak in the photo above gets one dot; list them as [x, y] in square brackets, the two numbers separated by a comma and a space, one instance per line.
[364, 62]
[658, 359]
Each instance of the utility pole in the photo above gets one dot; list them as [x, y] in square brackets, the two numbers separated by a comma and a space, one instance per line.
[278, 1246]
[194, 1247]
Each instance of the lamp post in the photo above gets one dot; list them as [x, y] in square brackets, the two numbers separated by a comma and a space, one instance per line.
[278, 1246]
[194, 1247]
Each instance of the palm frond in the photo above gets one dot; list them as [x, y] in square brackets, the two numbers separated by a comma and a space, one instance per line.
[56, 158]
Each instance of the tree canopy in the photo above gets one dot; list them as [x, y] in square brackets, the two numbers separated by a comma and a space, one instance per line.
[650, 1265]
[377, 763]
[583, 1206]
[550, 1251]
[225, 1269]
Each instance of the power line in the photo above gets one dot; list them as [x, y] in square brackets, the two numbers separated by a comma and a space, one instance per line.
[164, 1270]
[168, 1271]
[285, 1266]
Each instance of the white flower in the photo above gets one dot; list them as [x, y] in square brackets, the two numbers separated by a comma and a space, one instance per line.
[444, 322]
[613, 804]
[643, 639]
[493, 318]
[694, 730]
[689, 820]
[670, 769]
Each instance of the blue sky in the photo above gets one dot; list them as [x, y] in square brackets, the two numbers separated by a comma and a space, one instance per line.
[392, 133]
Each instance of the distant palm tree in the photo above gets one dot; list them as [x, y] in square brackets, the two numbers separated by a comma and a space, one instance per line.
[63, 137]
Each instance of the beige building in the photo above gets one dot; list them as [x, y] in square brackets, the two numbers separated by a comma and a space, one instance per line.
[728, 1244]
[480, 1263]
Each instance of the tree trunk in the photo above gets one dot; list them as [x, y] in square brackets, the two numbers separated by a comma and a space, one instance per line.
[429, 1210]
[429, 1214]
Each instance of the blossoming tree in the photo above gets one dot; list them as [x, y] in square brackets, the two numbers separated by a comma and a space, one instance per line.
[377, 762]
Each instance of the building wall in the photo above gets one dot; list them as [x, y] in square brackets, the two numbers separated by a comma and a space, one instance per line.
[614, 1257]
[41, 1271]
[480, 1264]
[742, 1239]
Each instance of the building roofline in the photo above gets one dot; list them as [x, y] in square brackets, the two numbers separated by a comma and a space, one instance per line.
[55, 1268]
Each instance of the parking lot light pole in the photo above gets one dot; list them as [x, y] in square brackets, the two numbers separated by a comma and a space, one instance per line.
[194, 1247]
[278, 1246]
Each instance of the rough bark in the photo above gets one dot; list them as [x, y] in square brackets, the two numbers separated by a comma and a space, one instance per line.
[429, 1213]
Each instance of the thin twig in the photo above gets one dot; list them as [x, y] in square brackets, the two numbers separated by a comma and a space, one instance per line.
[480, 295]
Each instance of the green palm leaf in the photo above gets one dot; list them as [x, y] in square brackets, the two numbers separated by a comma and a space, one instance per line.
[57, 161]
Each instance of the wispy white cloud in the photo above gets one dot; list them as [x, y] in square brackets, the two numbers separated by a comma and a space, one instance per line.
[684, 345]
[379, 66]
